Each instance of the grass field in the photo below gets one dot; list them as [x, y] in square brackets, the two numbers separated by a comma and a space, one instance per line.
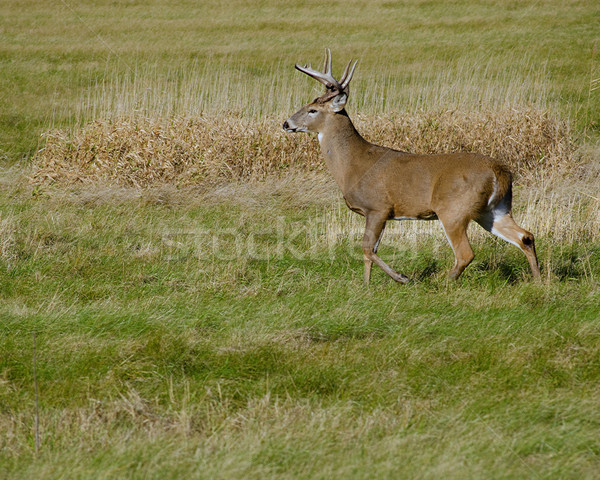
[206, 339]
[64, 61]
[181, 284]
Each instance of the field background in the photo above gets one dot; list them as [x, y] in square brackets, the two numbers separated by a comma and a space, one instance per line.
[181, 284]
[64, 61]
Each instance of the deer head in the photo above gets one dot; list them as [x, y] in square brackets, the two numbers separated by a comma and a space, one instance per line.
[311, 117]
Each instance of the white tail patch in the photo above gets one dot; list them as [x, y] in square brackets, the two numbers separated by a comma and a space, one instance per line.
[492, 198]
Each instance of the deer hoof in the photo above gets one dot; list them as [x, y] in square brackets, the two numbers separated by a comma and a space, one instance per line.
[401, 278]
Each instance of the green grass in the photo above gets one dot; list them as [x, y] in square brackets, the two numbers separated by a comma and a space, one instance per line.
[218, 339]
[62, 62]
[224, 332]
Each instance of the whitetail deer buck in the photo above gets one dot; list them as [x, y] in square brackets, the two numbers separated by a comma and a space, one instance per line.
[384, 184]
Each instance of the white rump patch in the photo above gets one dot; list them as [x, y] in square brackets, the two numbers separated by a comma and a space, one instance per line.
[490, 217]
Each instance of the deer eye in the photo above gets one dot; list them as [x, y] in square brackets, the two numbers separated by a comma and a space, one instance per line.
[312, 111]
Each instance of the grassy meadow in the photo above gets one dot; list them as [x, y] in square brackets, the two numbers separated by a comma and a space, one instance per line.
[63, 62]
[181, 283]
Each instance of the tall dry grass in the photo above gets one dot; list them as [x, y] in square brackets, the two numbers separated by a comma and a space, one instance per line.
[142, 151]
[148, 129]
[219, 87]
[556, 183]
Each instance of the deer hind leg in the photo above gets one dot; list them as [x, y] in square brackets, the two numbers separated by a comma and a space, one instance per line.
[503, 226]
[456, 232]
[371, 238]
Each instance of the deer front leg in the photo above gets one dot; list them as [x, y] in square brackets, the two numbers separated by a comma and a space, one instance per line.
[371, 238]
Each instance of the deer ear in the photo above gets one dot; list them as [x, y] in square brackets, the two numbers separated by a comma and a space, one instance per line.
[339, 102]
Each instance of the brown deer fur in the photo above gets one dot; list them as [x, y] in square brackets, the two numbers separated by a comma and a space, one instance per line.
[384, 184]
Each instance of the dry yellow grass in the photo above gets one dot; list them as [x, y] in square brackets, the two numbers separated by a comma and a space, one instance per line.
[184, 151]
[558, 199]
[143, 152]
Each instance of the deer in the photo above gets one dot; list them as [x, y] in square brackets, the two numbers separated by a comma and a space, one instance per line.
[383, 184]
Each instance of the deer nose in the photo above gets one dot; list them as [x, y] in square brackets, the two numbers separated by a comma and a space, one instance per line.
[286, 126]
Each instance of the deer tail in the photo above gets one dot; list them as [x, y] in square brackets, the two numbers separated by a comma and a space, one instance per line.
[502, 187]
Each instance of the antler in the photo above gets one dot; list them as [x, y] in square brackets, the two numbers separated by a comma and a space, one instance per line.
[326, 77]
[346, 77]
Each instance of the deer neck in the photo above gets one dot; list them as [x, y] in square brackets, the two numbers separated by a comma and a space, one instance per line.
[342, 147]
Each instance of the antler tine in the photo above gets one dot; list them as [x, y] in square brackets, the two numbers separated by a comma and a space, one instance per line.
[347, 76]
[328, 63]
[325, 77]
[345, 72]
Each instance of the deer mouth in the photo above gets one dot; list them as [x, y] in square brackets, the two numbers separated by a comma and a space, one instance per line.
[288, 128]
